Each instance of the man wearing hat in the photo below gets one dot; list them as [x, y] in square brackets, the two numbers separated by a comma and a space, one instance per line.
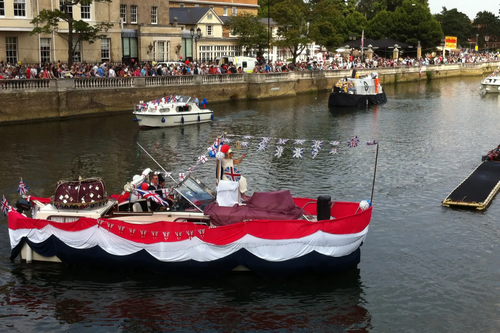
[229, 161]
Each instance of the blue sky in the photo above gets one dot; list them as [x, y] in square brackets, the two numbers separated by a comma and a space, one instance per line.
[468, 7]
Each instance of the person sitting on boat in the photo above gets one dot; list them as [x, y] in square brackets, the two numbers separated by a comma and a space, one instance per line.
[229, 161]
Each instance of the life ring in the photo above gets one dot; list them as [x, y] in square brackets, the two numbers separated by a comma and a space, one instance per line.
[366, 85]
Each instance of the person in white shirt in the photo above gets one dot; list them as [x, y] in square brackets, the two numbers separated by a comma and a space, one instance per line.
[111, 72]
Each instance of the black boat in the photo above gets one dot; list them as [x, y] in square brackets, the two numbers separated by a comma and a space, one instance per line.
[357, 92]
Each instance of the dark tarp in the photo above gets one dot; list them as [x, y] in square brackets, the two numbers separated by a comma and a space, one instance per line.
[262, 206]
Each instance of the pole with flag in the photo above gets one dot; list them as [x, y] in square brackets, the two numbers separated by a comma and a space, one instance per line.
[6, 208]
[22, 189]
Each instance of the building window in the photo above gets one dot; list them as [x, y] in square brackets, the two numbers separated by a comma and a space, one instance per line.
[105, 49]
[225, 11]
[20, 8]
[45, 50]
[133, 14]
[209, 16]
[154, 15]
[68, 7]
[85, 12]
[235, 11]
[2, 7]
[11, 47]
[123, 13]
[160, 51]
[181, 5]
[209, 30]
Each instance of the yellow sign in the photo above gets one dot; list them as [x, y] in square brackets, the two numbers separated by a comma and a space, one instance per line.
[450, 42]
[476, 47]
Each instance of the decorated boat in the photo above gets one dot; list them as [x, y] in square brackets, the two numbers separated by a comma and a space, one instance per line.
[357, 92]
[172, 111]
[187, 227]
[491, 84]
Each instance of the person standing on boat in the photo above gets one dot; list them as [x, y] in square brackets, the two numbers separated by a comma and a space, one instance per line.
[229, 161]
[157, 183]
[196, 100]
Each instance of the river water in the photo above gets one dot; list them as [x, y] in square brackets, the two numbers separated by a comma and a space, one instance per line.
[424, 267]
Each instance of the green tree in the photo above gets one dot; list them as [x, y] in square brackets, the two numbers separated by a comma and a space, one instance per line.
[328, 28]
[485, 24]
[409, 23]
[292, 17]
[252, 34]
[455, 23]
[48, 22]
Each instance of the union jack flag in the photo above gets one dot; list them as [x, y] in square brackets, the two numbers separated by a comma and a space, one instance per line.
[314, 153]
[353, 142]
[282, 141]
[371, 143]
[299, 142]
[244, 144]
[298, 152]
[316, 145]
[182, 176]
[247, 137]
[279, 151]
[202, 159]
[334, 151]
[6, 208]
[151, 195]
[262, 146]
[232, 173]
[265, 139]
[334, 143]
[22, 189]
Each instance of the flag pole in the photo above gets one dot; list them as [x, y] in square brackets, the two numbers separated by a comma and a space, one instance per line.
[374, 174]
[166, 173]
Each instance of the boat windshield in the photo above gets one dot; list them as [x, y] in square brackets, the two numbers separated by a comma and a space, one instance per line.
[183, 99]
[195, 192]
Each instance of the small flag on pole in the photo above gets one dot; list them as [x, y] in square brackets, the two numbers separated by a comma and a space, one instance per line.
[23, 189]
[6, 208]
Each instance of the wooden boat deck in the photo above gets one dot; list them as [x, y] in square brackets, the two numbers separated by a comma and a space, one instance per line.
[478, 189]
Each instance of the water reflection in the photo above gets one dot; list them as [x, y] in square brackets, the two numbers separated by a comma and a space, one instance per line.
[134, 302]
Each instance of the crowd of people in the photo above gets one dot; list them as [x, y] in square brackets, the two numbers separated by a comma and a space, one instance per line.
[60, 70]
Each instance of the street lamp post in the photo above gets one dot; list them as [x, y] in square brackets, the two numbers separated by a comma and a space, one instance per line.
[477, 37]
[194, 37]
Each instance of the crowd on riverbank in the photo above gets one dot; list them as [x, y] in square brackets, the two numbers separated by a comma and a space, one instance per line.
[60, 70]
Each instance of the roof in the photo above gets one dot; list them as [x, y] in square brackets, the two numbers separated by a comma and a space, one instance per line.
[385, 43]
[188, 15]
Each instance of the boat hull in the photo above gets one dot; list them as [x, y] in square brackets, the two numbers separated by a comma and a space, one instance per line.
[147, 119]
[267, 247]
[353, 100]
[490, 88]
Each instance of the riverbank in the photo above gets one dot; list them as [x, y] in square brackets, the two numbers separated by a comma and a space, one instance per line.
[31, 100]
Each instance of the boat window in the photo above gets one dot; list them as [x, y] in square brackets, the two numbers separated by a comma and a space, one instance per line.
[184, 108]
[244, 64]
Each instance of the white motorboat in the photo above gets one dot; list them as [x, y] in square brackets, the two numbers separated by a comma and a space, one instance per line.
[491, 84]
[172, 111]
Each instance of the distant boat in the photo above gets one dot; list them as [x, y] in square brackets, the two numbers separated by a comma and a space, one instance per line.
[356, 92]
[491, 84]
[172, 111]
